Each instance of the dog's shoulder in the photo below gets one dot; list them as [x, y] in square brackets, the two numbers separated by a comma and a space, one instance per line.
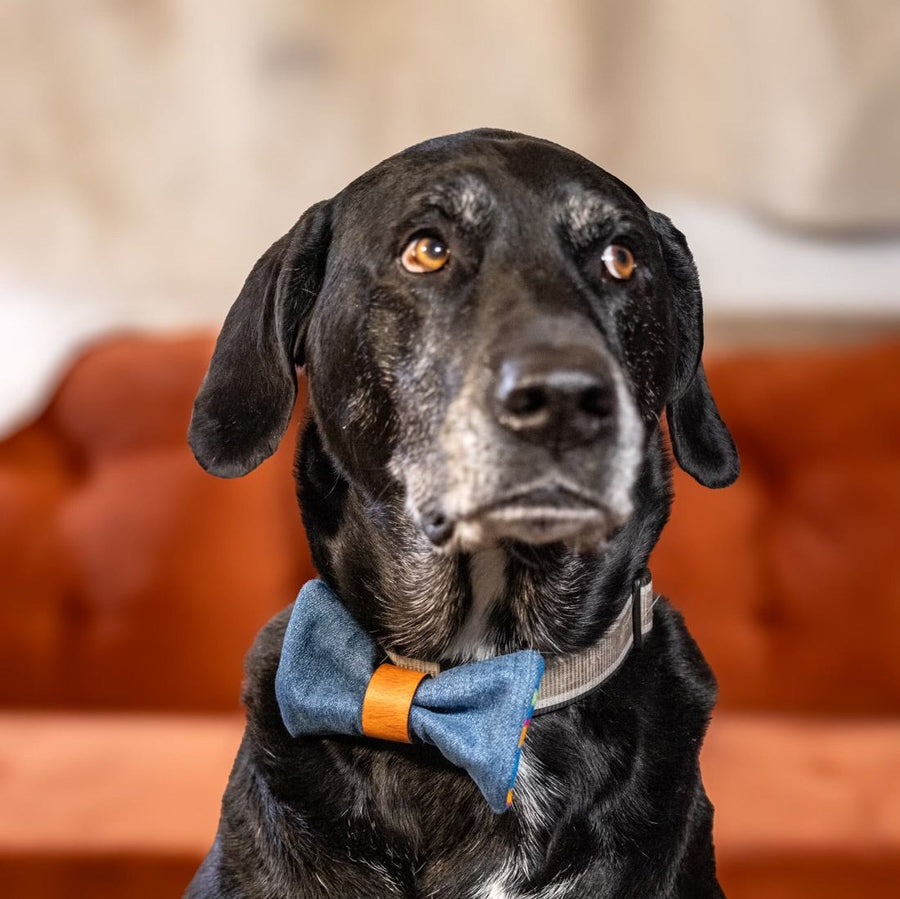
[682, 656]
[261, 661]
[260, 666]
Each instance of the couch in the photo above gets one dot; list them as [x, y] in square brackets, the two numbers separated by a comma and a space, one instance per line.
[132, 583]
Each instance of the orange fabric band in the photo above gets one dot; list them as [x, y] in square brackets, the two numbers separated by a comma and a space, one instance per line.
[386, 705]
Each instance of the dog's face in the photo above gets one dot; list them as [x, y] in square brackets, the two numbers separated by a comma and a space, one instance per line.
[496, 329]
[491, 327]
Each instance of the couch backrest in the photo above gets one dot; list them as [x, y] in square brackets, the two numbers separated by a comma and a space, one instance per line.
[790, 579]
[130, 578]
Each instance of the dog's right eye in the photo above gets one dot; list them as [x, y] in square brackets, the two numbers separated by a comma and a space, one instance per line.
[425, 254]
[619, 262]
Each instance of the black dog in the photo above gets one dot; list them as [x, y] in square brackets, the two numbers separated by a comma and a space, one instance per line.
[491, 328]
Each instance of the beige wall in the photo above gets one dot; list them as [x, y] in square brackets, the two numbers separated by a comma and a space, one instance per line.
[150, 149]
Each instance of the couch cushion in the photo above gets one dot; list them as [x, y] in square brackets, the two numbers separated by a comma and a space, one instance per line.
[806, 805]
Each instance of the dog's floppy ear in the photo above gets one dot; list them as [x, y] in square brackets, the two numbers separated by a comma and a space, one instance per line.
[701, 442]
[246, 398]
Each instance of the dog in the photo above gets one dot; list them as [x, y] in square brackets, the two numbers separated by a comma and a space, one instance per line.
[491, 328]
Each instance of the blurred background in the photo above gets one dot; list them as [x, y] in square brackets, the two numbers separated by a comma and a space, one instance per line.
[151, 150]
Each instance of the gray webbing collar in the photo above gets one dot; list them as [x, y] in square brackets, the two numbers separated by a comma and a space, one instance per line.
[566, 677]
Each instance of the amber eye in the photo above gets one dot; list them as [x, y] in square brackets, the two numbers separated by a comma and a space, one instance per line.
[619, 261]
[425, 254]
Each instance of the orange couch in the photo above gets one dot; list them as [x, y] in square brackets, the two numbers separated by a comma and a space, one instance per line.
[118, 688]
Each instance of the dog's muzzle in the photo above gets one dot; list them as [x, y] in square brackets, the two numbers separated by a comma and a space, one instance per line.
[540, 446]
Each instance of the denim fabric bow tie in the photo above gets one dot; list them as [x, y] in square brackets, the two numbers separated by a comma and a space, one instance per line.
[476, 714]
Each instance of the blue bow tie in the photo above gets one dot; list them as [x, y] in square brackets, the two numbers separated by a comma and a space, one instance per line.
[475, 714]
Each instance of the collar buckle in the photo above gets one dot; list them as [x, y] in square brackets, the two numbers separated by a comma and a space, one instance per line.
[639, 587]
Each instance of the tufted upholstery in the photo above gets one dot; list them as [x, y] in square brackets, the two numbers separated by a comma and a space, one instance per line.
[132, 582]
[133, 579]
[790, 579]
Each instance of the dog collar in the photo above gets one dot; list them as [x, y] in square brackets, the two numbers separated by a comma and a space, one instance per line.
[571, 675]
[329, 681]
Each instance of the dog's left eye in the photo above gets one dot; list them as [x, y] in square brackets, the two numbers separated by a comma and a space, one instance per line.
[619, 261]
[425, 254]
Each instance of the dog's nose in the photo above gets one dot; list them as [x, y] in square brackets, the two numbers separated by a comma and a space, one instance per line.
[560, 398]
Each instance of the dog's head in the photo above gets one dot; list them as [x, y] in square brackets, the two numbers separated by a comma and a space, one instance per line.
[488, 320]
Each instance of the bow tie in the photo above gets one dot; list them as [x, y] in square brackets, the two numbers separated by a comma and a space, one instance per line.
[329, 681]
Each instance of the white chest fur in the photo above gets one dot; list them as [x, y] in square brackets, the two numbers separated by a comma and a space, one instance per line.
[487, 571]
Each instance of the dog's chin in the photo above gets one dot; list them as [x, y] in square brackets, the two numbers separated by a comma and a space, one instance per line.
[580, 527]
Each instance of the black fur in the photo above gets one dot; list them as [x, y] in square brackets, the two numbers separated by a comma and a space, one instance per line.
[245, 401]
[610, 801]
[700, 440]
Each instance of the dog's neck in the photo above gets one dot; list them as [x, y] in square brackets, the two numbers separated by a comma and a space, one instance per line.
[420, 602]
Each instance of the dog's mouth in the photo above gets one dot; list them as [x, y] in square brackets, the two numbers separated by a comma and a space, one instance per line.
[533, 516]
